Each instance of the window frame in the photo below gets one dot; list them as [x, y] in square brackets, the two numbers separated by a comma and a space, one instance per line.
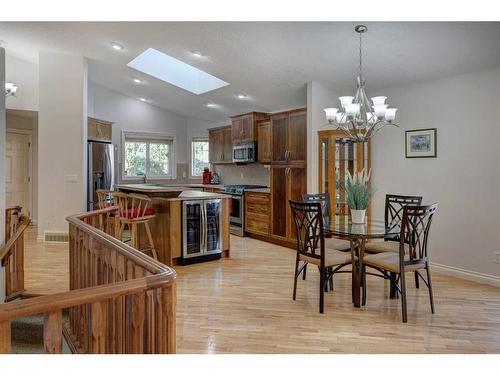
[148, 138]
[201, 137]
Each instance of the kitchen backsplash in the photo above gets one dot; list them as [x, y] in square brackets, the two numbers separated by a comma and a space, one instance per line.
[254, 173]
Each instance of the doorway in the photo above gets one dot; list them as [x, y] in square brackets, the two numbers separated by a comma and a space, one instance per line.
[18, 170]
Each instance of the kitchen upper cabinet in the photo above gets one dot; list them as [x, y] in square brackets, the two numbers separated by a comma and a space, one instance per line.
[287, 183]
[220, 145]
[289, 137]
[244, 127]
[99, 130]
[227, 148]
[264, 142]
[216, 145]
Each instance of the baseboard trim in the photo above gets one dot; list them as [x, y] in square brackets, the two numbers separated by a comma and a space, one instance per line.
[478, 277]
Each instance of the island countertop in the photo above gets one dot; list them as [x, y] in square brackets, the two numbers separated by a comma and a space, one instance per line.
[179, 193]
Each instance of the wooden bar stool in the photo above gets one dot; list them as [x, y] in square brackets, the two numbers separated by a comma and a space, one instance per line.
[133, 211]
[106, 199]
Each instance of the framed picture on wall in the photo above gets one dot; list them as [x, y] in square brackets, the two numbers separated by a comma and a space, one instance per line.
[421, 143]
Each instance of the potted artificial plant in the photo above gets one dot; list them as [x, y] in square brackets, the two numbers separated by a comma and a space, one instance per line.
[359, 195]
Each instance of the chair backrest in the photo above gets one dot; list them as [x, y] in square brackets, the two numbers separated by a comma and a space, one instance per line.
[394, 205]
[324, 200]
[132, 205]
[105, 198]
[415, 227]
[308, 219]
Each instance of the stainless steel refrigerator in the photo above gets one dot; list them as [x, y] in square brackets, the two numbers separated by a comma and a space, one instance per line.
[101, 171]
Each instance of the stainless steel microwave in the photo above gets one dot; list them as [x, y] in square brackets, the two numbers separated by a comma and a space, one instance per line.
[245, 152]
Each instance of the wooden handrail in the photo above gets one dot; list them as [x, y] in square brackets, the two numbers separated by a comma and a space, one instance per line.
[23, 223]
[59, 301]
[120, 300]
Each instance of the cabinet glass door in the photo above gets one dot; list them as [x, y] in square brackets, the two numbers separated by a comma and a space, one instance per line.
[213, 225]
[193, 227]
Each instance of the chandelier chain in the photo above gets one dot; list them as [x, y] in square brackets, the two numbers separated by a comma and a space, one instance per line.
[360, 55]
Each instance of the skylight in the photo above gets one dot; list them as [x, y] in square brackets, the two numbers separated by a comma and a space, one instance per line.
[176, 72]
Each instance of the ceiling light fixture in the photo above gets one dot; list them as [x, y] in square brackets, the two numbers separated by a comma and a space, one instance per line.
[242, 96]
[142, 99]
[210, 105]
[137, 80]
[197, 53]
[10, 89]
[116, 46]
[358, 119]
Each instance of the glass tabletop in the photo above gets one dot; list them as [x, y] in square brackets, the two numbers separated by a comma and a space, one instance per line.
[342, 226]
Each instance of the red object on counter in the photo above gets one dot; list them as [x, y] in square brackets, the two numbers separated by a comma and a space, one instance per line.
[207, 177]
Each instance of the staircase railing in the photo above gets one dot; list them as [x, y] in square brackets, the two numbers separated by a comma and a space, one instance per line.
[12, 255]
[120, 300]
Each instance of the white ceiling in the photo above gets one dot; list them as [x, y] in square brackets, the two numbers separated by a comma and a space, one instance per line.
[270, 62]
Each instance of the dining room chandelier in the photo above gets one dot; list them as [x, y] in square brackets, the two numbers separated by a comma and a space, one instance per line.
[357, 118]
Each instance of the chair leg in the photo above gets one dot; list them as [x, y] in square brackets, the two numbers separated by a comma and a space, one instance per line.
[403, 297]
[417, 284]
[296, 276]
[304, 272]
[321, 290]
[430, 286]
[352, 284]
[363, 302]
[120, 231]
[150, 239]
[331, 279]
[135, 236]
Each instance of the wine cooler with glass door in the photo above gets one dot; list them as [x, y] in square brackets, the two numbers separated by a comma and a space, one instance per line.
[201, 230]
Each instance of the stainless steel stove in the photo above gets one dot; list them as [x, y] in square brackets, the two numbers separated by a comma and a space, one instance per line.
[237, 216]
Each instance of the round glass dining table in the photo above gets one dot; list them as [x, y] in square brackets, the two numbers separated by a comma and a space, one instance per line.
[358, 234]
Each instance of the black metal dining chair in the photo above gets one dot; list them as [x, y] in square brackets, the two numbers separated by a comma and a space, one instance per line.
[308, 219]
[412, 254]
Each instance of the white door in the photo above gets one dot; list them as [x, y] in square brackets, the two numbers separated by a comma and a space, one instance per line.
[17, 170]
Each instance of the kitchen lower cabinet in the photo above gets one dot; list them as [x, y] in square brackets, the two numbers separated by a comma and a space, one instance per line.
[257, 208]
[287, 183]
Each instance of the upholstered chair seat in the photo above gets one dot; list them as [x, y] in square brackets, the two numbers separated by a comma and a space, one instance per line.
[390, 262]
[332, 258]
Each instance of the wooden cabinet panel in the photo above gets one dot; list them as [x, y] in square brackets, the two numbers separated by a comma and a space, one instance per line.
[297, 182]
[236, 129]
[215, 145]
[227, 148]
[99, 130]
[279, 201]
[244, 127]
[297, 135]
[264, 142]
[279, 130]
[257, 213]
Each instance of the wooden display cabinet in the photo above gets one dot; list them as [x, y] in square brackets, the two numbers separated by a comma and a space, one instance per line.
[337, 156]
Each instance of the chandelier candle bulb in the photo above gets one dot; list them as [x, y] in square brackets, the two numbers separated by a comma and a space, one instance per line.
[352, 110]
[390, 114]
[379, 100]
[380, 110]
[345, 100]
[331, 114]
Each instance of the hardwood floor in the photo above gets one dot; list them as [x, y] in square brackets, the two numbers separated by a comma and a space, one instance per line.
[243, 304]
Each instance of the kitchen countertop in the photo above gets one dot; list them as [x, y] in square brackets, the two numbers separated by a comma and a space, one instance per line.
[185, 193]
[259, 190]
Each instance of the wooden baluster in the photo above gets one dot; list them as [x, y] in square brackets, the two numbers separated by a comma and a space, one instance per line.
[8, 276]
[169, 298]
[52, 332]
[98, 327]
[5, 337]
[135, 337]
[19, 265]
[149, 324]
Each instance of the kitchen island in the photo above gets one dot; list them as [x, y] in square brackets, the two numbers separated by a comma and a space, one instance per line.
[181, 222]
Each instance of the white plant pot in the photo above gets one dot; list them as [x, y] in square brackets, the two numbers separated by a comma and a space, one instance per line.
[358, 216]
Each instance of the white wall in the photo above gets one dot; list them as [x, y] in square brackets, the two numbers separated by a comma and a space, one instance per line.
[464, 178]
[318, 98]
[62, 137]
[25, 75]
[2, 168]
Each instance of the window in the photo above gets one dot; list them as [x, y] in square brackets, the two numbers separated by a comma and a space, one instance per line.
[199, 156]
[151, 155]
